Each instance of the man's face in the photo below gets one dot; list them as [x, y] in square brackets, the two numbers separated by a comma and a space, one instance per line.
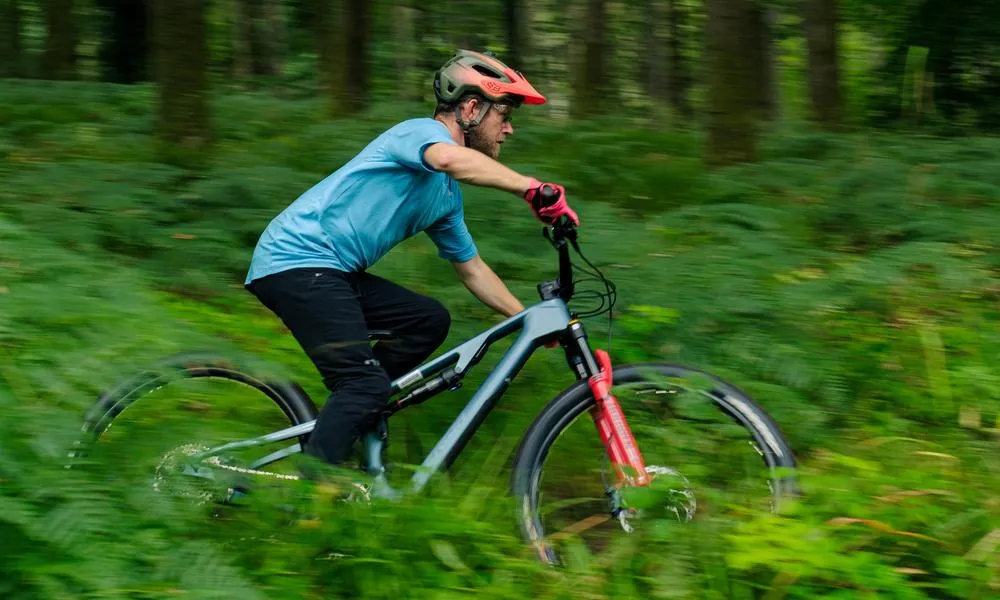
[491, 132]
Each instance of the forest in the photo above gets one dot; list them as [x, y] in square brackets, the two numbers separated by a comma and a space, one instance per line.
[800, 197]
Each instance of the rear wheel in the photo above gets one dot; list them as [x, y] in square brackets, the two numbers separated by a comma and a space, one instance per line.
[713, 453]
[147, 427]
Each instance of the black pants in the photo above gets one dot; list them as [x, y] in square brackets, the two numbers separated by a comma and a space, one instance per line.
[329, 313]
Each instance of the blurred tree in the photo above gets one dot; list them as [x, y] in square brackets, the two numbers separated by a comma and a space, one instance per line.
[11, 57]
[678, 80]
[653, 51]
[259, 39]
[409, 55]
[590, 82]
[425, 55]
[517, 20]
[272, 39]
[954, 50]
[301, 26]
[765, 81]
[59, 61]
[820, 21]
[732, 135]
[403, 46]
[181, 57]
[125, 40]
[343, 30]
[468, 23]
[242, 38]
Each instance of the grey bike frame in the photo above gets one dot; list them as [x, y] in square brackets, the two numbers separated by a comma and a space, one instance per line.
[538, 324]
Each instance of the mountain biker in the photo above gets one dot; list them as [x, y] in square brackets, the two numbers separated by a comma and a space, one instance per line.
[310, 264]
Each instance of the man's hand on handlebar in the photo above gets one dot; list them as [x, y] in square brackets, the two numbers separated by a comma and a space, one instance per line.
[548, 202]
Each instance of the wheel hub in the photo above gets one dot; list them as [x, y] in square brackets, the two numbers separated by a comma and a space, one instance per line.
[679, 500]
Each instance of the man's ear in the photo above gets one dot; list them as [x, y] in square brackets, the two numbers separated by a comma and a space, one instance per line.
[470, 108]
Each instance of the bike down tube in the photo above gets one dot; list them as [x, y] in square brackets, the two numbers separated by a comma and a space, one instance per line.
[537, 323]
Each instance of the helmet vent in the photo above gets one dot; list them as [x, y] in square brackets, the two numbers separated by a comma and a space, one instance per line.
[486, 71]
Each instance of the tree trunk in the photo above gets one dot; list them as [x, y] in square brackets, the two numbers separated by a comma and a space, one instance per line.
[732, 135]
[762, 57]
[343, 50]
[678, 80]
[406, 47]
[516, 18]
[590, 88]
[358, 75]
[125, 47]
[422, 30]
[183, 94]
[466, 24]
[820, 21]
[275, 46]
[59, 61]
[11, 58]
[656, 52]
[257, 38]
[772, 95]
[242, 63]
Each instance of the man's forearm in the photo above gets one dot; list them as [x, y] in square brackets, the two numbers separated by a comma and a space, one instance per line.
[490, 289]
[469, 166]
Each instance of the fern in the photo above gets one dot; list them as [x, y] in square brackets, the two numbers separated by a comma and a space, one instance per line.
[808, 280]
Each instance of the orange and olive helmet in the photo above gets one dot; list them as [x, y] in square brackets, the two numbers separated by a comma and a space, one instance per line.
[475, 72]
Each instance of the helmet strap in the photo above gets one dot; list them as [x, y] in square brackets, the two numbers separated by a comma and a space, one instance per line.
[467, 126]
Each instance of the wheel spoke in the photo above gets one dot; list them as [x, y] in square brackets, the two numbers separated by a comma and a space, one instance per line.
[580, 526]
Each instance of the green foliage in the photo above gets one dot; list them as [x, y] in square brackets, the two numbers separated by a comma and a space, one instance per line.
[848, 283]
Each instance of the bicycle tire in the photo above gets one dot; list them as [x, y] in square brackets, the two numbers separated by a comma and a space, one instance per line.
[293, 401]
[577, 399]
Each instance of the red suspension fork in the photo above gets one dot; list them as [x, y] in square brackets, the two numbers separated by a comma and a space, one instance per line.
[614, 430]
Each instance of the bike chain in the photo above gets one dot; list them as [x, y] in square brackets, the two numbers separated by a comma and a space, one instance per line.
[214, 460]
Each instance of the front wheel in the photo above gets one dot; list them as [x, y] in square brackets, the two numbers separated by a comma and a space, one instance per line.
[713, 452]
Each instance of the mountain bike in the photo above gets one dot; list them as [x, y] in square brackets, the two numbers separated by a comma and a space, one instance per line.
[593, 442]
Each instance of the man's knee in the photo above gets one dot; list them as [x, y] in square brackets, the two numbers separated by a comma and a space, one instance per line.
[436, 322]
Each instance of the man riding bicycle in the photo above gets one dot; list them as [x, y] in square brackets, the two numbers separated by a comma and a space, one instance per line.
[310, 265]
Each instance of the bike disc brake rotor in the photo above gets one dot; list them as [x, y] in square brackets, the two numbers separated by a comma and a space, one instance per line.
[674, 496]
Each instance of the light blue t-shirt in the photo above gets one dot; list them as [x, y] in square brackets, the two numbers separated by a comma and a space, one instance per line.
[353, 217]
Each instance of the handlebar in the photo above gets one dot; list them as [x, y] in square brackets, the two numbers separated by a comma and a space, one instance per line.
[562, 234]
[547, 195]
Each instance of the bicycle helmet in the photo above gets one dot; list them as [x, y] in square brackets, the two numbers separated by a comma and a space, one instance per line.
[483, 74]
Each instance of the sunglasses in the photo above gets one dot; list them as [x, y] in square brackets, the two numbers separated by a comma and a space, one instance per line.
[505, 110]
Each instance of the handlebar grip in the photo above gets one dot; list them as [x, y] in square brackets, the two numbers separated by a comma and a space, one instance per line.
[548, 195]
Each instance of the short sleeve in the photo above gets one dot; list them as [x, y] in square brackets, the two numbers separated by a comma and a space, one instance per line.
[406, 143]
[452, 237]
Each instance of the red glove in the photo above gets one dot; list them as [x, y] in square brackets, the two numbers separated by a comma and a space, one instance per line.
[549, 214]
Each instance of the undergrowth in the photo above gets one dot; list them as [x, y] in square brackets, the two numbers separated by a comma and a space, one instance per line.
[848, 283]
